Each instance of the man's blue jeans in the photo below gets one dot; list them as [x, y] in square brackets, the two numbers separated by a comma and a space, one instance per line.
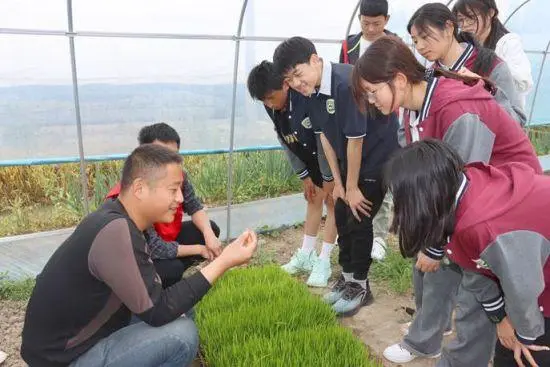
[138, 344]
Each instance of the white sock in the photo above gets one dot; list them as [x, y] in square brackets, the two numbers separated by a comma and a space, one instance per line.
[363, 282]
[326, 250]
[347, 276]
[309, 243]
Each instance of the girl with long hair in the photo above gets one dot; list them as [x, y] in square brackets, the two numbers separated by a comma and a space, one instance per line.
[480, 17]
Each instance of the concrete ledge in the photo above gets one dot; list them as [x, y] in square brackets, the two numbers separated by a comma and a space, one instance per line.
[545, 162]
[25, 255]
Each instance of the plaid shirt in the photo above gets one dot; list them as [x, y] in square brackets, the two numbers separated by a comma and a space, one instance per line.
[161, 249]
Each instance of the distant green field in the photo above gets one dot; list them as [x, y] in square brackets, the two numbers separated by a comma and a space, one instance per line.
[36, 198]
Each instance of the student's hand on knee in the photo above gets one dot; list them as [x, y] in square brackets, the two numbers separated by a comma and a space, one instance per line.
[525, 350]
[358, 203]
[338, 193]
[506, 333]
[427, 264]
[309, 189]
[240, 250]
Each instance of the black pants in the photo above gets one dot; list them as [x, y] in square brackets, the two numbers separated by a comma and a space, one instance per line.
[354, 237]
[171, 270]
[504, 357]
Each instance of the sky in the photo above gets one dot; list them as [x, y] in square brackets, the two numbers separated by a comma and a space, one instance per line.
[46, 60]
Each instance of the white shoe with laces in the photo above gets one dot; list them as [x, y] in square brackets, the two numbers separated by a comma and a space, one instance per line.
[397, 354]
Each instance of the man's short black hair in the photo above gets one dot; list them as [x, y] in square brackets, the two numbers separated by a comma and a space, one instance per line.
[293, 51]
[263, 79]
[147, 161]
[373, 8]
[159, 131]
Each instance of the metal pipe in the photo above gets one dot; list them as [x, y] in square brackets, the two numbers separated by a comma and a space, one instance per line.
[539, 77]
[183, 36]
[351, 19]
[232, 130]
[32, 32]
[515, 11]
[280, 39]
[117, 157]
[83, 176]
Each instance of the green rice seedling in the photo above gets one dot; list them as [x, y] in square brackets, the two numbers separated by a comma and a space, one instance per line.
[260, 316]
[331, 346]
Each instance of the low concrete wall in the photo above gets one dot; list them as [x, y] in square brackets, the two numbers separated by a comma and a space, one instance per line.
[25, 255]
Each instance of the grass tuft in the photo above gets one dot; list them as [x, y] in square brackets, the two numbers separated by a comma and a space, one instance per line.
[394, 270]
[15, 290]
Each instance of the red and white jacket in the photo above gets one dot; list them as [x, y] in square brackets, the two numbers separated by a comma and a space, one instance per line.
[502, 232]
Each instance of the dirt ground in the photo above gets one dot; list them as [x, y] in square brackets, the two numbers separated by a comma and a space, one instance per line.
[378, 325]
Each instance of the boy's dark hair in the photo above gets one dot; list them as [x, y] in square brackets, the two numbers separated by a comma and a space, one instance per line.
[263, 79]
[373, 8]
[424, 178]
[437, 15]
[293, 51]
[159, 131]
[146, 161]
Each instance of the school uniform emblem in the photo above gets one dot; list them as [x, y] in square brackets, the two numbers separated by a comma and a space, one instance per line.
[481, 264]
[331, 106]
[306, 123]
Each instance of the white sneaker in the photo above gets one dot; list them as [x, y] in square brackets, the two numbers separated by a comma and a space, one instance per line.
[3, 357]
[397, 354]
[405, 329]
[378, 249]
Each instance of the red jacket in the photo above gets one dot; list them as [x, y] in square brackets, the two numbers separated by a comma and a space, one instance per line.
[167, 231]
[502, 231]
[471, 121]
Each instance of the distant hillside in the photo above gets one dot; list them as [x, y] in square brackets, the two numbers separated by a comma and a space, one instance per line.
[39, 121]
[108, 103]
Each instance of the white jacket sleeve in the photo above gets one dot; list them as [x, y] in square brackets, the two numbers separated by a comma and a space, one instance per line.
[510, 49]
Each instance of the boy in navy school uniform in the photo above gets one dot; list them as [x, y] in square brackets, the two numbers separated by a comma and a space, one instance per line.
[356, 147]
[288, 111]
[373, 17]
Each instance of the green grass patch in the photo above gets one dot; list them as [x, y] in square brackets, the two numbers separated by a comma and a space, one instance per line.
[260, 316]
[394, 270]
[15, 290]
[540, 137]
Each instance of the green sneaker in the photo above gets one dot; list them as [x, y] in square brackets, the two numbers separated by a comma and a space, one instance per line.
[336, 292]
[320, 273]
[300, 262]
